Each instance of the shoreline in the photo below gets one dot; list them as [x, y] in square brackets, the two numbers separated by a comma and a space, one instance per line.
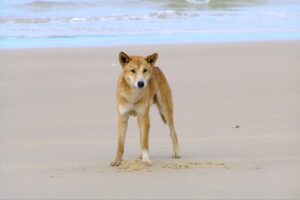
[165, 39]
[224, 43]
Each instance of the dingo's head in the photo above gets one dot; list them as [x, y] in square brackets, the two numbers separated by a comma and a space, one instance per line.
[137, 70]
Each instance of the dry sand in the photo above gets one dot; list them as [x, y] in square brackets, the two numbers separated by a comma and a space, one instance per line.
[237, 112]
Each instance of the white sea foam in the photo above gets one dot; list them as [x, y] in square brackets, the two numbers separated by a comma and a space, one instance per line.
[75, 19]
[198, 1]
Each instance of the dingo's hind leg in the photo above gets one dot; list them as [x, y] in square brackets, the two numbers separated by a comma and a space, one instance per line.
[165, 107]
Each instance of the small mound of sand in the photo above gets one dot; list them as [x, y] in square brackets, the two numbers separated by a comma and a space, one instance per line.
[138, 165]
[134, 165]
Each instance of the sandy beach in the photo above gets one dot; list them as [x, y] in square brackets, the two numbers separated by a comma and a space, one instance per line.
[237, 112]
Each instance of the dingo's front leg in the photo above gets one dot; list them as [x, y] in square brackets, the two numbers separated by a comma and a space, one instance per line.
[144, 123]
[122, 127]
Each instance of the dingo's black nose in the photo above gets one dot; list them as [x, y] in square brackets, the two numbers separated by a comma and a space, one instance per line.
[140, 84]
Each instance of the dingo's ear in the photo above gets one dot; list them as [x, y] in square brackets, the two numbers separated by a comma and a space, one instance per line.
[152, 59]
[123, 58]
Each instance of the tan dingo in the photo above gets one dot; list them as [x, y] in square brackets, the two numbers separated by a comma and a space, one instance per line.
[141, 85]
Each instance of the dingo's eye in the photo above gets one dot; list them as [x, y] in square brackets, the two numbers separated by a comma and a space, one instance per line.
[145, 70]
[133, 71]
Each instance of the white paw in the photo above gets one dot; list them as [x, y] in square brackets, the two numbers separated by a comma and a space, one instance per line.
[146, 162]
[145, 157]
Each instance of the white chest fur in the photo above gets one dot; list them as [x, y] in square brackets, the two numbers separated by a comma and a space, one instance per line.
[131, 109]
[124, 109]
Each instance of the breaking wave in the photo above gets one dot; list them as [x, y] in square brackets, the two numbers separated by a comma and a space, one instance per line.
[168, 14]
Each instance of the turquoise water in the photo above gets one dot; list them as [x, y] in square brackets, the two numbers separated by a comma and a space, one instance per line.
[77, 23]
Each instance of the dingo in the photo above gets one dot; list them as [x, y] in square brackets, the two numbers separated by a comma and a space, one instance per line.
[140, 85]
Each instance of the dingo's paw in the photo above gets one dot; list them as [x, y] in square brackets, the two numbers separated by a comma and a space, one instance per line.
[139, 157]
[145, 158]
[116, 163]
[176, 154]
[147, 163]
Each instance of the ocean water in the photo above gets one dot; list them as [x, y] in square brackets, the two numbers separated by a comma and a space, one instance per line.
[79, 23]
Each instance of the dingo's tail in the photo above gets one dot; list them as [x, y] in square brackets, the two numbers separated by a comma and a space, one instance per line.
[163, 118]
